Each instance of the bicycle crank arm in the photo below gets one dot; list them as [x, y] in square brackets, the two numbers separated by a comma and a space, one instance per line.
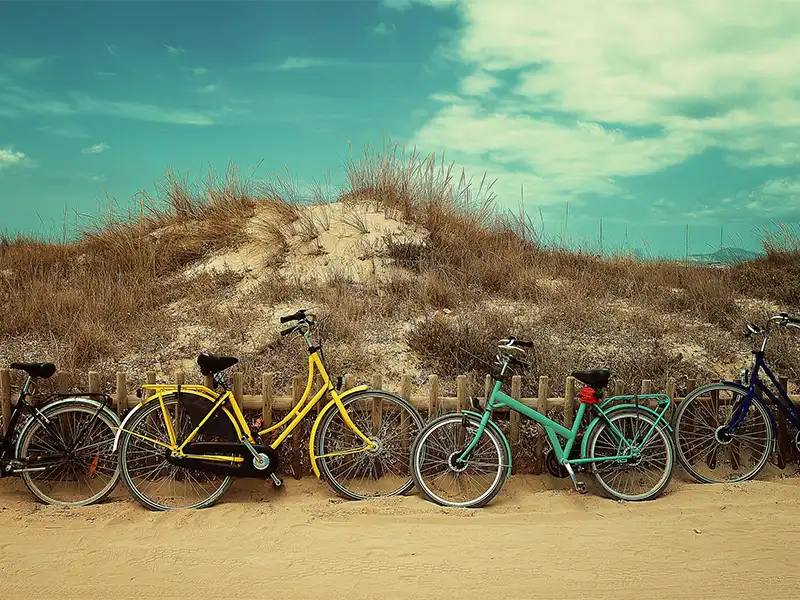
[29, 470]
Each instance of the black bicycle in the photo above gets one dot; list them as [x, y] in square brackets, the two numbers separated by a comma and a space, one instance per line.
[64, 450]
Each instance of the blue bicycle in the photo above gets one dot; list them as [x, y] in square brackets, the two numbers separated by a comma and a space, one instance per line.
[725, 432]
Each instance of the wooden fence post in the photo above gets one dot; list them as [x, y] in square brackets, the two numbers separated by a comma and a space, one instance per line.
[405, 423]
[377, 404]
[487, 388]
[462, 394]
[541, 406]
[569, 402]
[62, 382]
[513, 420]
[266, 399]
[5, 398]
[122, 394]
[151, 379]
[94, 382]
[619, 387]
[180, 377]
[298, 386]
[647, 388]
[349, 382]
[433, 397]
[783, 432]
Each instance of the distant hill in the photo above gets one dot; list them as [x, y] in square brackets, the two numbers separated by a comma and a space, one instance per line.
[725, 256]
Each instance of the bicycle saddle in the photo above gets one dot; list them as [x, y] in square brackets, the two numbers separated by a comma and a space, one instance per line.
[42, 369]
[596, 378]
[211, 364]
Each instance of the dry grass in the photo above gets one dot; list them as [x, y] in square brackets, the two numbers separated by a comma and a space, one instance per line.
[121, 284]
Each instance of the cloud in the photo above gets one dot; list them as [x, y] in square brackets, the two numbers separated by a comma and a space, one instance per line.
[11, 158]
[112, 49]
[25, 65]
[198, 71]
[294, 62]
[98, 178]
[97, 148]
[67, 131]
[17, 102]
[607, 90]
[384, 29]
[208, 89]
[174, 50]
[479, 83]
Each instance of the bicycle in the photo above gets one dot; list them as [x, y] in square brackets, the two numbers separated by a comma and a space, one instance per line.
[730, 437]
[621, 440]
[161, 437]
[68, 441]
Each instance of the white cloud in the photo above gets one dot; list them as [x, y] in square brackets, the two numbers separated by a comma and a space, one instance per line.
[174, 50]
[208, 89]
[98, 178]
[67, 131]
[294, 62]
[602, 90]
[479, 83]
[24, 64]
[384, 29]
[112, 49]
[97, 148]
[198, 71]
[11, 158]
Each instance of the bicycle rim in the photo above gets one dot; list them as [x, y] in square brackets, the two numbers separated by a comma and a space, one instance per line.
[85, 476]
[705, 452]
[442, 480]
[635, 479]
[156, 483]
[389, 421]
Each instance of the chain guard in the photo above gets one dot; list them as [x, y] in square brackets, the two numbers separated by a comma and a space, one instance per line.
[243, 469]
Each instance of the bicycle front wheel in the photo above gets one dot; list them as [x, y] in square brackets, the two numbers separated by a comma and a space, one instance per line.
[391, 423]
[443, 479]
[70, 460]
[709, 454]
[632, 479]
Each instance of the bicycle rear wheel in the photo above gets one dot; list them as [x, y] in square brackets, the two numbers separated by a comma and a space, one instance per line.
[388, 420]
[705, 451]
[152, 480]
[643, 478]
[70, 476]
[442, 480]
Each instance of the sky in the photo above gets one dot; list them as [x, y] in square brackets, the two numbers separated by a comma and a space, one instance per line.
[648, 114]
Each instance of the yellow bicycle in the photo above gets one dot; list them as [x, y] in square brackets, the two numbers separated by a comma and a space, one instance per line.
[182, 446]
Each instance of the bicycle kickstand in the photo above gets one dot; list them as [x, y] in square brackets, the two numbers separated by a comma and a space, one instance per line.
[580, 487]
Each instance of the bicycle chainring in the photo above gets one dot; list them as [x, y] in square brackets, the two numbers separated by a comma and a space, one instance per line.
[553, 467]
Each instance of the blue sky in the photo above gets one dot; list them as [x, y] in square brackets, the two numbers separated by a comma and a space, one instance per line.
[649, 115]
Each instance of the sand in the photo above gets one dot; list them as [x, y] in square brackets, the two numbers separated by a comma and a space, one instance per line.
[538, 539]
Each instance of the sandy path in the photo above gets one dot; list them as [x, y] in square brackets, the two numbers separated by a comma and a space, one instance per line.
[729, 542]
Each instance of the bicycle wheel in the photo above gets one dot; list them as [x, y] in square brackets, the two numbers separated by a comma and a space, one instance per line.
[154, 482]
[647, 476]
[703, 449]
[445, 482]
[71, 477]
[389, 421]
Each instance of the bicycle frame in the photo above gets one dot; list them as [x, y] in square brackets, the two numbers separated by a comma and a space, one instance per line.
[782, 400]
[7, 448]
[555, 430]
[291, 420]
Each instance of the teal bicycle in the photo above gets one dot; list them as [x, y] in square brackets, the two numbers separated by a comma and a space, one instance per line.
[463, 459]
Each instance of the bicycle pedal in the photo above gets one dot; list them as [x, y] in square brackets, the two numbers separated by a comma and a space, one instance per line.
[276, 479]
[580, 487]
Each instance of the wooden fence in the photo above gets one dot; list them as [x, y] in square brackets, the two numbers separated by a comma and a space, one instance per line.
[430, 403]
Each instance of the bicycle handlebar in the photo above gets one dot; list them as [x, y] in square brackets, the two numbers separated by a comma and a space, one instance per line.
[287, 331]
[300, 314]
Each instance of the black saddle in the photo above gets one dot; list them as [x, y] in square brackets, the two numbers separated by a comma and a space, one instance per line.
[43, 369]
[211, 364]
[596, 378]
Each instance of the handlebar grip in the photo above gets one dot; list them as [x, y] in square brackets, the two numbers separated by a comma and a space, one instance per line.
[292, 317]
[524, 344]
[287, 331]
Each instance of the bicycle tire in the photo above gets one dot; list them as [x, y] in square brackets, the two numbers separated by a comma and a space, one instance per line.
[419, 447]
[681, 444]
[416, 423]
[141, 497]
[105, 416]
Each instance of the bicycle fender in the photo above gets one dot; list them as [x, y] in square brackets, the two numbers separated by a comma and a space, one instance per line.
[498, 431]
[71, 400]
[127, 418]
[596, 420]
[312, 442]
